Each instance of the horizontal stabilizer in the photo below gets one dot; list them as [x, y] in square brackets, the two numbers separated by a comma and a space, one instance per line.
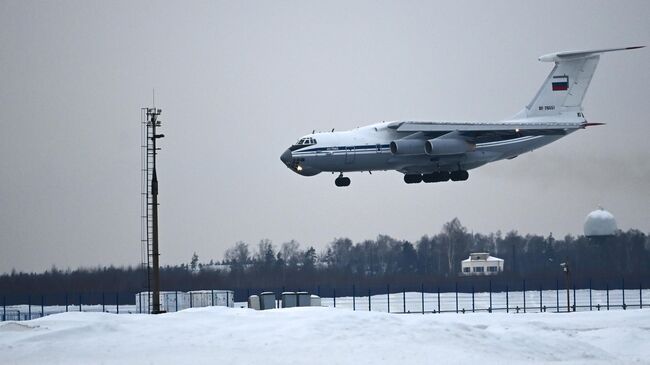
[570, 55]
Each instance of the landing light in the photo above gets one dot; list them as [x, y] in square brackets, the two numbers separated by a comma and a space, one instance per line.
[517, 130]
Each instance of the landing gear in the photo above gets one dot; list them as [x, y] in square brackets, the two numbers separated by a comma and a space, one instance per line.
[412, 178]
[342, 181]
[435, 177]
[460, 175]
[440, 176]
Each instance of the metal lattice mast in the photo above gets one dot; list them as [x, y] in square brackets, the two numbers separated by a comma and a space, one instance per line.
[145, 225]
[149, 225]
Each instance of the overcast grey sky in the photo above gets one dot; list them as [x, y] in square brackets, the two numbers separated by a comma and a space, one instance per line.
[240, 81]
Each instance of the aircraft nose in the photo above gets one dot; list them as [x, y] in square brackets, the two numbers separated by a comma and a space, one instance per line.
[286, 157]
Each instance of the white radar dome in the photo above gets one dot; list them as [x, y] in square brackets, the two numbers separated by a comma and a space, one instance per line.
[600, 223]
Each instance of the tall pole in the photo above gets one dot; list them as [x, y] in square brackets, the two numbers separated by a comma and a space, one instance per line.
[155, 308]
[567, 273]
[155, 275]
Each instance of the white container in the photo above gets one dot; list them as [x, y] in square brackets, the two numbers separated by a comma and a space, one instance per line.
[304, 299]
[267, 300]
[315, 301]
[200, 298]
[289, 299]
[254, 302]
[208, 298]
[170, 301]
[224, 298]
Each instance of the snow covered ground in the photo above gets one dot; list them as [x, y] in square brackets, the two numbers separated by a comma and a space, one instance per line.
[320, 335]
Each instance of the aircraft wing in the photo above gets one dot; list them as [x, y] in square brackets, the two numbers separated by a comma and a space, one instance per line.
[541, 128]
[477, 132]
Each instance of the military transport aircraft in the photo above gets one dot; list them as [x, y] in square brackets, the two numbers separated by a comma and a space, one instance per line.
[441, 151]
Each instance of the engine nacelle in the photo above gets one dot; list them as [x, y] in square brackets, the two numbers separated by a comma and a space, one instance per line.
[447, 146]
[407, 147]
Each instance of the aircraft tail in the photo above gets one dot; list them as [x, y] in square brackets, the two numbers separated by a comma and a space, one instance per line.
[566, 85]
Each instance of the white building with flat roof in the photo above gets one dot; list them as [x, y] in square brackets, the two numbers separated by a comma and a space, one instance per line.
[481, 263]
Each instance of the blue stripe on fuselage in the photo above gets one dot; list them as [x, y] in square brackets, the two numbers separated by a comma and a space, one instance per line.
[340, 148]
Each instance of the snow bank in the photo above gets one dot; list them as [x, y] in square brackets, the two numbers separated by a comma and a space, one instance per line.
[327, 336]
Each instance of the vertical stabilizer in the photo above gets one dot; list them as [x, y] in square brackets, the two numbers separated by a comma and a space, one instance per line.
[566, 85]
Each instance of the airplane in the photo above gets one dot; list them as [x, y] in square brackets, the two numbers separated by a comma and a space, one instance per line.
[441, 151]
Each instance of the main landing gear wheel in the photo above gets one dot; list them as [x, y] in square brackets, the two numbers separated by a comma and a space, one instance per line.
[342, 181]
[412, 178]
[460, 175]
[435, 177]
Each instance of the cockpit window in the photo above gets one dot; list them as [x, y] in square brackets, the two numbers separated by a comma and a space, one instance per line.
[306, 141]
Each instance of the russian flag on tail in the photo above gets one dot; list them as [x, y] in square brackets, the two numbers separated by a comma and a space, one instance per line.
[560, 83]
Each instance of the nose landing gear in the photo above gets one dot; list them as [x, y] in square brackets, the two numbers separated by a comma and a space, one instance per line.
[342, 181]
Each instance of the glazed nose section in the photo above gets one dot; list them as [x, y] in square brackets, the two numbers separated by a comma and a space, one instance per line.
[286, 157]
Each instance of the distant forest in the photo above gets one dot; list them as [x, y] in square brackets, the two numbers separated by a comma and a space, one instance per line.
[370, 264]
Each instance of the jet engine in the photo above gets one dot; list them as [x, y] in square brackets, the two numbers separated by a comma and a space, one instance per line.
[407, 147]
[447, 146]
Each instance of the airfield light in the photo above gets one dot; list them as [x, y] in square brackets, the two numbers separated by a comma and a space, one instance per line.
[517, 130]
[299, 168]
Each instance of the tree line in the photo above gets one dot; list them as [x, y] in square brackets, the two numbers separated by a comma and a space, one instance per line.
[431, 260]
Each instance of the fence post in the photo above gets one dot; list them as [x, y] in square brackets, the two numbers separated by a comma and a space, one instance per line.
[191, 300]
[623, 291]
[117, 303]
[212, 296]
[438, 299]
[388, 296]
[79, 302]
[422, 291]
[334, 297]
[607, 291]
[103, 303]
[176, 299]
[557, 295]
[575, 304]
[507, 301]
[490, 296]
[228, 298]
[42, 305]
[524, 285]
[4, 308]
[540, 298]
[354, 300]
[404, 299]
[456, 297]
[590, 307]
[472, 298]
[369, 301]
[66, 302]
[640, 296]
